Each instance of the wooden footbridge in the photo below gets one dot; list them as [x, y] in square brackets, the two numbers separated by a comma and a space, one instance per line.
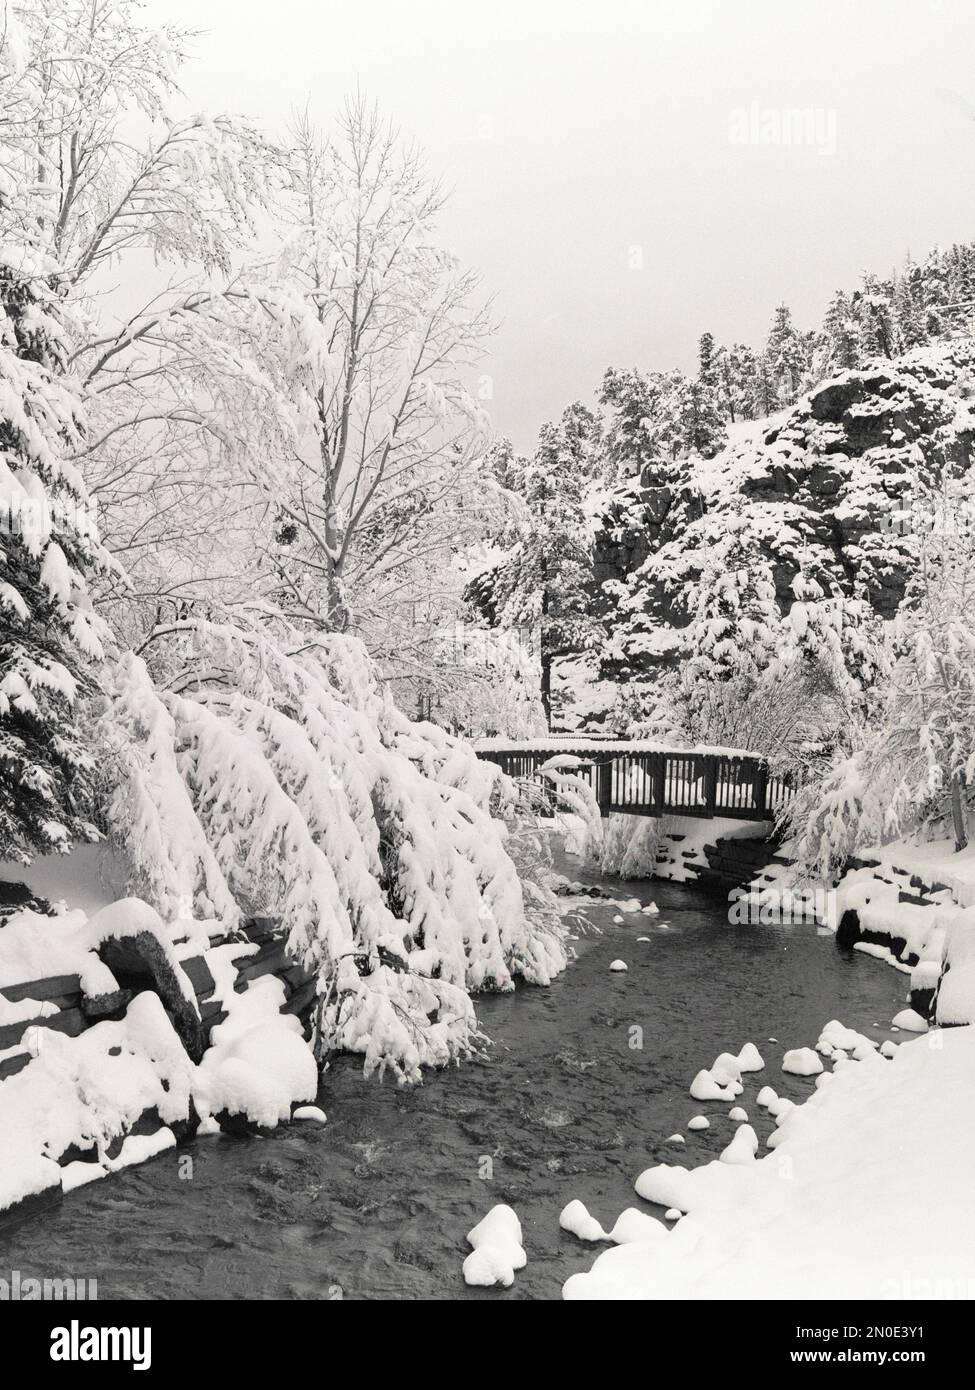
[648, 779]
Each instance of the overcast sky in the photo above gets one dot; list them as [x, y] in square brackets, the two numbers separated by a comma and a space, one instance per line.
[579, 138]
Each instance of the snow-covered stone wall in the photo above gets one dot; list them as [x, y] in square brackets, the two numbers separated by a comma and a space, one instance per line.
[148, 1034]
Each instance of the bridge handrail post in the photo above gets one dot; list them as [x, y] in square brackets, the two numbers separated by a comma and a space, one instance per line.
[658, 781]
[710, 783]
[760, 788]
[604, 787]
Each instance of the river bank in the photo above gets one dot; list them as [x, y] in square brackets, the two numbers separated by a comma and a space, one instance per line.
[376, 1204]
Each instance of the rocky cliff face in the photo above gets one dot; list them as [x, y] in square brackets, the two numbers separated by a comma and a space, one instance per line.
[827, 487]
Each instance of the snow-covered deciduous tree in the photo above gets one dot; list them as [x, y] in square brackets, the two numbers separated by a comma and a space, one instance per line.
[387, 481]
[96, 172]
[272, 775]
[913, 765]
[50, 638]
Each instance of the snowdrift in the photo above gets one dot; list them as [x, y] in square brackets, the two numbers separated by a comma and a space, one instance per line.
[843, 1208]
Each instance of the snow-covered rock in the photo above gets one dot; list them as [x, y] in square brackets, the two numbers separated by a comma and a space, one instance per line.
[706, 1087]
[802, 1061]
[634, 1225]
[497, 1250]
[910, 1021]
[575, 1219]
[311, 1114]
[750, 1059]
[743, 1147]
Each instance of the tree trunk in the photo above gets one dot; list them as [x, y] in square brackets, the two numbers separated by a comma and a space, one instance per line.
[959, 818]
[544, 654]
[338, 614]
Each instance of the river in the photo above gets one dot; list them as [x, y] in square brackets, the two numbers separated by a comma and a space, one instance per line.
[376, 1204]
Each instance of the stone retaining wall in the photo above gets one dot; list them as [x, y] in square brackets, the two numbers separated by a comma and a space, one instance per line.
[77, 1011]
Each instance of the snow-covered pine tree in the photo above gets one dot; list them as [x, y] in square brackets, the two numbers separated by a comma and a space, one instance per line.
[934, 291]
[909, 307]
[842, 346]
[764, 398]
[49, 634]
[879, 322]
[703, 420]
[787, 358]
[545, 581]
[736, 368]
[631, 399]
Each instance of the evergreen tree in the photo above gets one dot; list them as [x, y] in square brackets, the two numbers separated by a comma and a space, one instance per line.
[786, 355]
[545, 581]
[701, 421]
[706, 434]
[909, 307]
[737, 369]
[934, 291]
[876, 301]
[632, 399]
[667, 429]
[764, 399]
[707, 354]
[842, 348]
[49, 635]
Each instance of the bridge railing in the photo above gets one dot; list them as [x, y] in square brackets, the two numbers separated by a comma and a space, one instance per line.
[662, 782]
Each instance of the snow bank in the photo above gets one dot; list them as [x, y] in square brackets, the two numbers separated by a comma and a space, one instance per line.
[915, 905]
[743, 1147]
[666, 847]
[844, 1207]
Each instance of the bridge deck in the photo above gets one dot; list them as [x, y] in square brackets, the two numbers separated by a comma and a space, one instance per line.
[660, 782]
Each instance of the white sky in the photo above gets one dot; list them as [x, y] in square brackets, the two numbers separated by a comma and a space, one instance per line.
[608, 128]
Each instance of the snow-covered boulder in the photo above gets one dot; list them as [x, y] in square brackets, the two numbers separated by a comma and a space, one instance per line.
[575, 1219]
[743, 1147]
[911, 1021]
[497, 1250]
[802, 1061]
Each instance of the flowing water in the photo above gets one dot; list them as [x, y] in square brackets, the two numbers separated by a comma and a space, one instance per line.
[376, 1204]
